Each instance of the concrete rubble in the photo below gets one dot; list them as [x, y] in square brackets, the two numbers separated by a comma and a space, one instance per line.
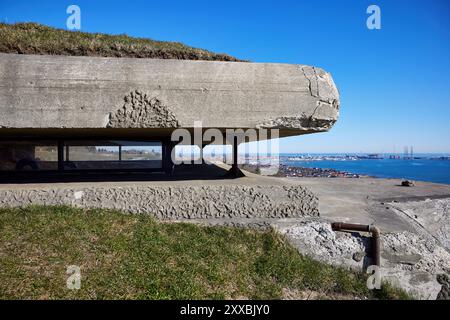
[408, 260]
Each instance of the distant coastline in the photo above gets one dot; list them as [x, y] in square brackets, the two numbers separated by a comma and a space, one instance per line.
[363, 156]
[290, 171]
[420, 167]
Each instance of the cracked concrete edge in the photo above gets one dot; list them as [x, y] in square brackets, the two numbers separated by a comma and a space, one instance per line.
[326, 111]
[321, 85]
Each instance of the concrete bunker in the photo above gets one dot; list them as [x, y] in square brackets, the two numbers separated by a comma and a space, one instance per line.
[64, 114]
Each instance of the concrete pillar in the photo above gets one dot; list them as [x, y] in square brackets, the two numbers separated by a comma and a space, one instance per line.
[234, 171]
[60, 155]
[168, 165]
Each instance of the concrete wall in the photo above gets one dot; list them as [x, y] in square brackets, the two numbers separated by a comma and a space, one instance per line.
[39, 91]
[176, 202]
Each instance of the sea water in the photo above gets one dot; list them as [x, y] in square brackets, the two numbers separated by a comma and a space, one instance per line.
[424, 167]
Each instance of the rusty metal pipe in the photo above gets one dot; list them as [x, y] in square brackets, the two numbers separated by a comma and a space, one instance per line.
[375, 231]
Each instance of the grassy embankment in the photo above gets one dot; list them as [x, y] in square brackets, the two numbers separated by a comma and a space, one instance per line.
[135, 257]
[34, 38]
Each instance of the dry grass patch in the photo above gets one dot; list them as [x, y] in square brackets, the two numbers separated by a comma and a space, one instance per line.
[34, 38]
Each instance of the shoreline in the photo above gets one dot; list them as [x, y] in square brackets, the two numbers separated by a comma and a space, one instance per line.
[289, 171]
[286, 171]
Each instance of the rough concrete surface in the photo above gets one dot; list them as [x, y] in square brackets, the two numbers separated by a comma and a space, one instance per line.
[407, 259]
[248, 197]
[142, 111]
[39, 91]
[431, 215]
[316, 239]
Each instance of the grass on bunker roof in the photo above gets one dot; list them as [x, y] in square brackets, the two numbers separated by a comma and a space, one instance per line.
[34, 38]
[125, 256]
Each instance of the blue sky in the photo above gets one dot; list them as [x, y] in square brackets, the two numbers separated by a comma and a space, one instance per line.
[394, 82]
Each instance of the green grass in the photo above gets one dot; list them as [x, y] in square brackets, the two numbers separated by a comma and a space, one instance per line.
[135, 257]
[34, 38]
